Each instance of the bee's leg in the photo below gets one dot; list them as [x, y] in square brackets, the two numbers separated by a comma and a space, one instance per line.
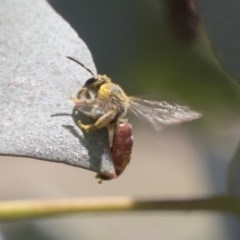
[86, 127]
[81, 102]
[103, 121]
[106, 119]
[83, 92]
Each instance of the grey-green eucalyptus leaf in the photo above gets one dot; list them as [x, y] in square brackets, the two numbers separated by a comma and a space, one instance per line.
[36, 83]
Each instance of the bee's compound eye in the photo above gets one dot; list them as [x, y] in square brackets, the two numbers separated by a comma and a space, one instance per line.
[90, 81]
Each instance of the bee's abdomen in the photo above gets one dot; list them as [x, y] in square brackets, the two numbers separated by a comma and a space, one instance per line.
[122, 144]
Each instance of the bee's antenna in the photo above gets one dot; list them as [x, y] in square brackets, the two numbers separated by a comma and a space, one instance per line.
[76, 61]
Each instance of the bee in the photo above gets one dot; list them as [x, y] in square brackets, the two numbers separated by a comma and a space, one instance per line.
[112, 103]
[108, 104]
[121, 148]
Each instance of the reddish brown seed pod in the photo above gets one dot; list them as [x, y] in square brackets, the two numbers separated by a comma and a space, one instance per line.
[121, 148]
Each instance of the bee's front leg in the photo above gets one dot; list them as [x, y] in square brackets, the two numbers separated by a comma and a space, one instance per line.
[103, 121]
[83, 92]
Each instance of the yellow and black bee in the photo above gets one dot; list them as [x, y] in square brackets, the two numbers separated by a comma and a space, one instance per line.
[107, 103]
[110, 103]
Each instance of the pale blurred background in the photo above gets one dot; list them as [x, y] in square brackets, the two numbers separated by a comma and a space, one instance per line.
[137, 44]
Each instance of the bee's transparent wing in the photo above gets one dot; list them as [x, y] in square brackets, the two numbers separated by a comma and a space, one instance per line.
[160, 114]
[91, 107]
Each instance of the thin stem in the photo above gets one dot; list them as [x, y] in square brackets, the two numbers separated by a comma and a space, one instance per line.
[16, 210]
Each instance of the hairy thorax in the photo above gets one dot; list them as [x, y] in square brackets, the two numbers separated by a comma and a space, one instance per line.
[109, 91]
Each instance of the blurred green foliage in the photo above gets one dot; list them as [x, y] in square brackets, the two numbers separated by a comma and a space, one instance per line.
[135, 44]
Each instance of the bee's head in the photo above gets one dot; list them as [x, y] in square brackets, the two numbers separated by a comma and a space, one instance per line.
[90, 82]
[96, 81]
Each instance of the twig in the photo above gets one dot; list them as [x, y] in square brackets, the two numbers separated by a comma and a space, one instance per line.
[17, 210]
